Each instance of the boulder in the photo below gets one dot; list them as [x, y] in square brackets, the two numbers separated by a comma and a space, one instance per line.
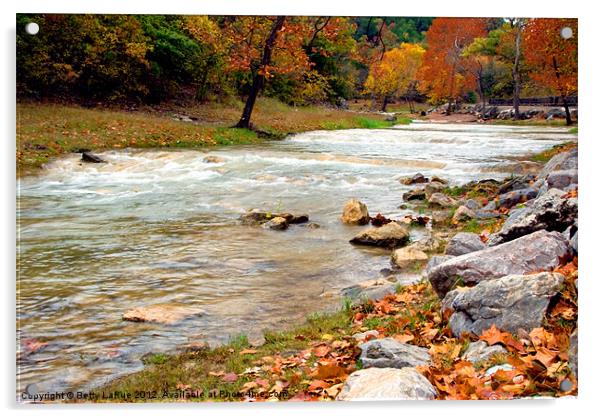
[387, 384]
[436, 179]
[561, 179]
[213, 159]
[516, 183]
[278, 223]
[555, 113]
[464, 243]
[539, 251]
[463, 214]
[370, 289]
[480, 351]
[552, 212]
[388, 352]
[293, 219]
[407, 256]
[88, 157]
[355, 213]
[564, 161]
[390, 235]
[415, 179]
[432, 188]
[513, 198]
[439, 199]
[161, 313]
[258, 218]
[435, 261]
[472, 204]
[428, 243]
[510, 303]
[416, 194]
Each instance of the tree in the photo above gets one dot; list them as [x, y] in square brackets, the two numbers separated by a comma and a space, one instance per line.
[261, 72]
[444, 74]
[553, 58]
[518, 26]
[395, 74]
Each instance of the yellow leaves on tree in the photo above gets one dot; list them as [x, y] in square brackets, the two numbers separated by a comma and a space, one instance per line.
[395, 74]
[445, 71]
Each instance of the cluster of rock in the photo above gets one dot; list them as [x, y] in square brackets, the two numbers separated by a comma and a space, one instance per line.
[507, 282]
[494, 112]
[389, 373]
[275, 221]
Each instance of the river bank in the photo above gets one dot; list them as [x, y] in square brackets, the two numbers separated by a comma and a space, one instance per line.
[46, 130]
[384, 341]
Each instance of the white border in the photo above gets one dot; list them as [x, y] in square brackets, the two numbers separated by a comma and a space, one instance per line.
[590, 126]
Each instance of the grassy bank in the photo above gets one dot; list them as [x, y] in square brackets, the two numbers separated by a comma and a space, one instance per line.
[45, 131]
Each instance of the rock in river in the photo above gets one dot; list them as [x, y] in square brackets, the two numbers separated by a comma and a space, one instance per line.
[416, 194]
[464, 243]
[415, 179]
[407, 256]
[162, 313]
[439, 199]
[541, 250]
[388, 352]
[355, 213]
[387, 384]
[88, 157]
[390, 235]
[510, 303]
[213, 159]
[278, 223]
[258, 218]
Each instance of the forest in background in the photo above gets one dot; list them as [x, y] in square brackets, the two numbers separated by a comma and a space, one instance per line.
[93, 59]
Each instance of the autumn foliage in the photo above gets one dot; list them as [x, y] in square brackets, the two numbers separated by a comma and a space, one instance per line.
[396, 73]
[553, 58]
[444, 74]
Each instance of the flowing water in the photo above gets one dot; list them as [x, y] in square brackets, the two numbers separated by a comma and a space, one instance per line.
[161, 227]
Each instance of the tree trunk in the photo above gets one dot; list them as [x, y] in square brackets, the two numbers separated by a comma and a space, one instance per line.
[385, 103]
[259, 78]
[565, 103]
[515, 72]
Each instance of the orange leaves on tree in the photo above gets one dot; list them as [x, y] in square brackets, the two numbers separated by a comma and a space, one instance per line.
[445, 74]
[553, 59]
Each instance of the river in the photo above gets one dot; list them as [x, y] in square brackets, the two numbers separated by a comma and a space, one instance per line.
[161, 226]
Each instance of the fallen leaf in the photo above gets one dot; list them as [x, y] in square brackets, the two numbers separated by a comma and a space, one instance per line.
[230, 377]
[329, 370]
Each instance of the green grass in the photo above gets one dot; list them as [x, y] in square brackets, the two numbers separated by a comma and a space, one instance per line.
[203, 369]
[529, 122]
[545, 156]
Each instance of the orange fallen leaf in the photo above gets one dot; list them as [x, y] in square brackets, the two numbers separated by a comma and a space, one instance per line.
[329, 370]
